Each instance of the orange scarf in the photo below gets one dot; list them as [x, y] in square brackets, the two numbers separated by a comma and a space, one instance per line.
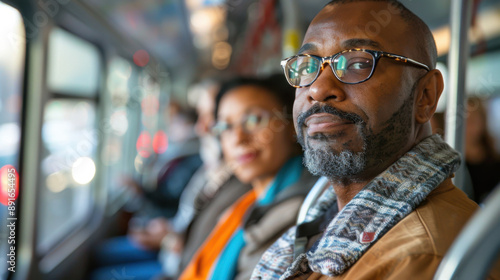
[201, 264]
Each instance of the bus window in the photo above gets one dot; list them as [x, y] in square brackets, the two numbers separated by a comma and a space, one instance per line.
[12, 56]
[73, 65]
[119, 139]
[68, 167]
[70, 135]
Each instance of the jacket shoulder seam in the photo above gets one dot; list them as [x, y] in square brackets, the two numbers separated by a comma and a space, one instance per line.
[427, 230]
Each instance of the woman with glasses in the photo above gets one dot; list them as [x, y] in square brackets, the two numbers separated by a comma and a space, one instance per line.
[258, 141]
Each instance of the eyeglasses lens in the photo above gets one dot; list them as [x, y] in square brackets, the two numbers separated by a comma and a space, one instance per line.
[353, 66]
[349, 67]
[249, 124]
[302, 70]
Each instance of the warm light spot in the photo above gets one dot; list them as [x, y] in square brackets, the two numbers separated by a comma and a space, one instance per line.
[9, 184]
[57, 182]
[221, 55]
[141, 58]
[487, 26]
[144, 144]
[83, 170]
[138, 163]
[205, 20]
[160, 142]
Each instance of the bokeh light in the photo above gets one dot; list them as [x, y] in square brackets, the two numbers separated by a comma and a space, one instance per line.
[83, 170]
[144, 144]
[221, 55]
[141, 58]
[57, 182]
[119, 122]
[138, 163]
[9, 184]
[160, 142]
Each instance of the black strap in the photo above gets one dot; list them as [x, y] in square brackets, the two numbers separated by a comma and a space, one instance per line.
[309, 229]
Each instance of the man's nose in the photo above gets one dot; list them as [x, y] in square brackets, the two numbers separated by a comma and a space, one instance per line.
[326, 87]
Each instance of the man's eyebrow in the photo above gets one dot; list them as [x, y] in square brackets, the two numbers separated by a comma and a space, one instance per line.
[348, 44]
[357, 42]
[307, 48]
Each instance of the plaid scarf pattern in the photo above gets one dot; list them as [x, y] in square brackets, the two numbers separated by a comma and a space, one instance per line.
[382, 203]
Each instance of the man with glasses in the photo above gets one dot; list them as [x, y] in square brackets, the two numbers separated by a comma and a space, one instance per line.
[366, 89]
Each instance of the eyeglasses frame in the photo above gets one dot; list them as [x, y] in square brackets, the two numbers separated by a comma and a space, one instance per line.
[266, 114]
[329, 59]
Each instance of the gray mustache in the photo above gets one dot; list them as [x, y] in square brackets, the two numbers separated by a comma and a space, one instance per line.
[316, 108]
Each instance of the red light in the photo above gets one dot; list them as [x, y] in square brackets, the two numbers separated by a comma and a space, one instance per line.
[9, 185]
[141, 58]
[143, 144]
[160, 142]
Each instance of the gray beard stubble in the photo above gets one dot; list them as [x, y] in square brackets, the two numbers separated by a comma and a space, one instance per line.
[347, 164]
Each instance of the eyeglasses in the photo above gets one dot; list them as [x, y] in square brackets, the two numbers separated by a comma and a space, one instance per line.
[250, 123]
[352, 66]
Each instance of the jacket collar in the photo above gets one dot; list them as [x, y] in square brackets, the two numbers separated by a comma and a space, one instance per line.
[386, 200]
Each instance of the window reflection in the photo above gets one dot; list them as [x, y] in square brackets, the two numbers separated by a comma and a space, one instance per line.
[69, 142]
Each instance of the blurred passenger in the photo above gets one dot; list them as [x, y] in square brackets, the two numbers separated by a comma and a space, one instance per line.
[258, 142]
[157, 229]
[209, 192]
[483, 161]
[159, 197]
[161, 185]
[481, 158]
[221, 188]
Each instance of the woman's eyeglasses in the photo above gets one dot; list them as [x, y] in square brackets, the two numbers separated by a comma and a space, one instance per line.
[349, 66]
[250, 123]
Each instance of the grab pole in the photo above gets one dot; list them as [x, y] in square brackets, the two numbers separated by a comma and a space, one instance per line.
[456, 110]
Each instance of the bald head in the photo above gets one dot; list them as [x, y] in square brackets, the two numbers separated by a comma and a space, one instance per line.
[418, 32]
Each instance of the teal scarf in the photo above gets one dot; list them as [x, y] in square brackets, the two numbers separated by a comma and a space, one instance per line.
[227, 264]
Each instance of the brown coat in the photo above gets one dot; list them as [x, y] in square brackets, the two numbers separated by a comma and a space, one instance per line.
[414, 247]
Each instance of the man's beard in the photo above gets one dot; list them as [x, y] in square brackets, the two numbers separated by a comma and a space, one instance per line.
[349, 165]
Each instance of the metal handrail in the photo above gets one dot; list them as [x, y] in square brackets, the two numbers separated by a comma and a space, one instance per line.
[457, 64]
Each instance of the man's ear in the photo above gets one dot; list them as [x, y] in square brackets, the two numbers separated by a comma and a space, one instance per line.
[428, 91]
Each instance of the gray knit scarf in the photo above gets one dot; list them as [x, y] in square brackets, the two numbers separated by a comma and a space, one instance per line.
[381, 204]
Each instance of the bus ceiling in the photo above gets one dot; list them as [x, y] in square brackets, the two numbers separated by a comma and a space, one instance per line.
[194, 38]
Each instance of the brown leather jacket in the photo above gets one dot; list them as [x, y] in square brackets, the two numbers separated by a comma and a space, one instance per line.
[414, 247]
